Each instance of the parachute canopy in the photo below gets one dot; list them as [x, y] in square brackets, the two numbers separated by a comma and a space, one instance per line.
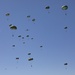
[30, 59]
[65, 63]
[22, 37]
[32, 38]
[65, 27]
[27, 30]
[33, 19]
[10, 25]
[47, 7]
[12, 35]
[23, 42]
[13, 27]
[29, 53]
[41, 46]
[64, 7]
[19, 36]
[27, 36]
[13, 45]
[7, 14]
[28, 16]
[17, 58]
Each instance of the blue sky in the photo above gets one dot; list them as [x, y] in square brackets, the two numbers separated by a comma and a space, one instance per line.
[47, 31]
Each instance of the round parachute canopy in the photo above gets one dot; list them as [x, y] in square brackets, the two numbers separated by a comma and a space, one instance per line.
[32, 38]
[13, 45]
[29, 53]
[22, 37]
[7, 14]
[47, 7]
[30, 59]
[27, 29]
[10, 25]
[33, 19]
[12, 35]
[19, 36]
[65, 27]
[65, 63]
[27, 36]
[64, 7]
[28, 16]
[23, 42]
[13, 27]
[41, 46]
[17, 58]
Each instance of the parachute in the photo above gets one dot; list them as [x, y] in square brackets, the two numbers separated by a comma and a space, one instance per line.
[64, 7]
[19, 36]
[33, 19]
[12, 35]
[13, 45]
[22, 37]
[41, 46]
[29, 53]
[27, 30]
[7, 14]
[65, 27]
[30, 59]
[27, 36]
[17, 58]
[13, 27]
[32, 38]
[10, 25]
[23, 42]
[65, 63]
[47, 7]
[28, 16]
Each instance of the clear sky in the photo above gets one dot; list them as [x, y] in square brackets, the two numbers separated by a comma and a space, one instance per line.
[58, 44]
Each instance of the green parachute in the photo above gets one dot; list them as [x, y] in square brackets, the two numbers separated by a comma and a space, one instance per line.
[13, 27]
[64, 7]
